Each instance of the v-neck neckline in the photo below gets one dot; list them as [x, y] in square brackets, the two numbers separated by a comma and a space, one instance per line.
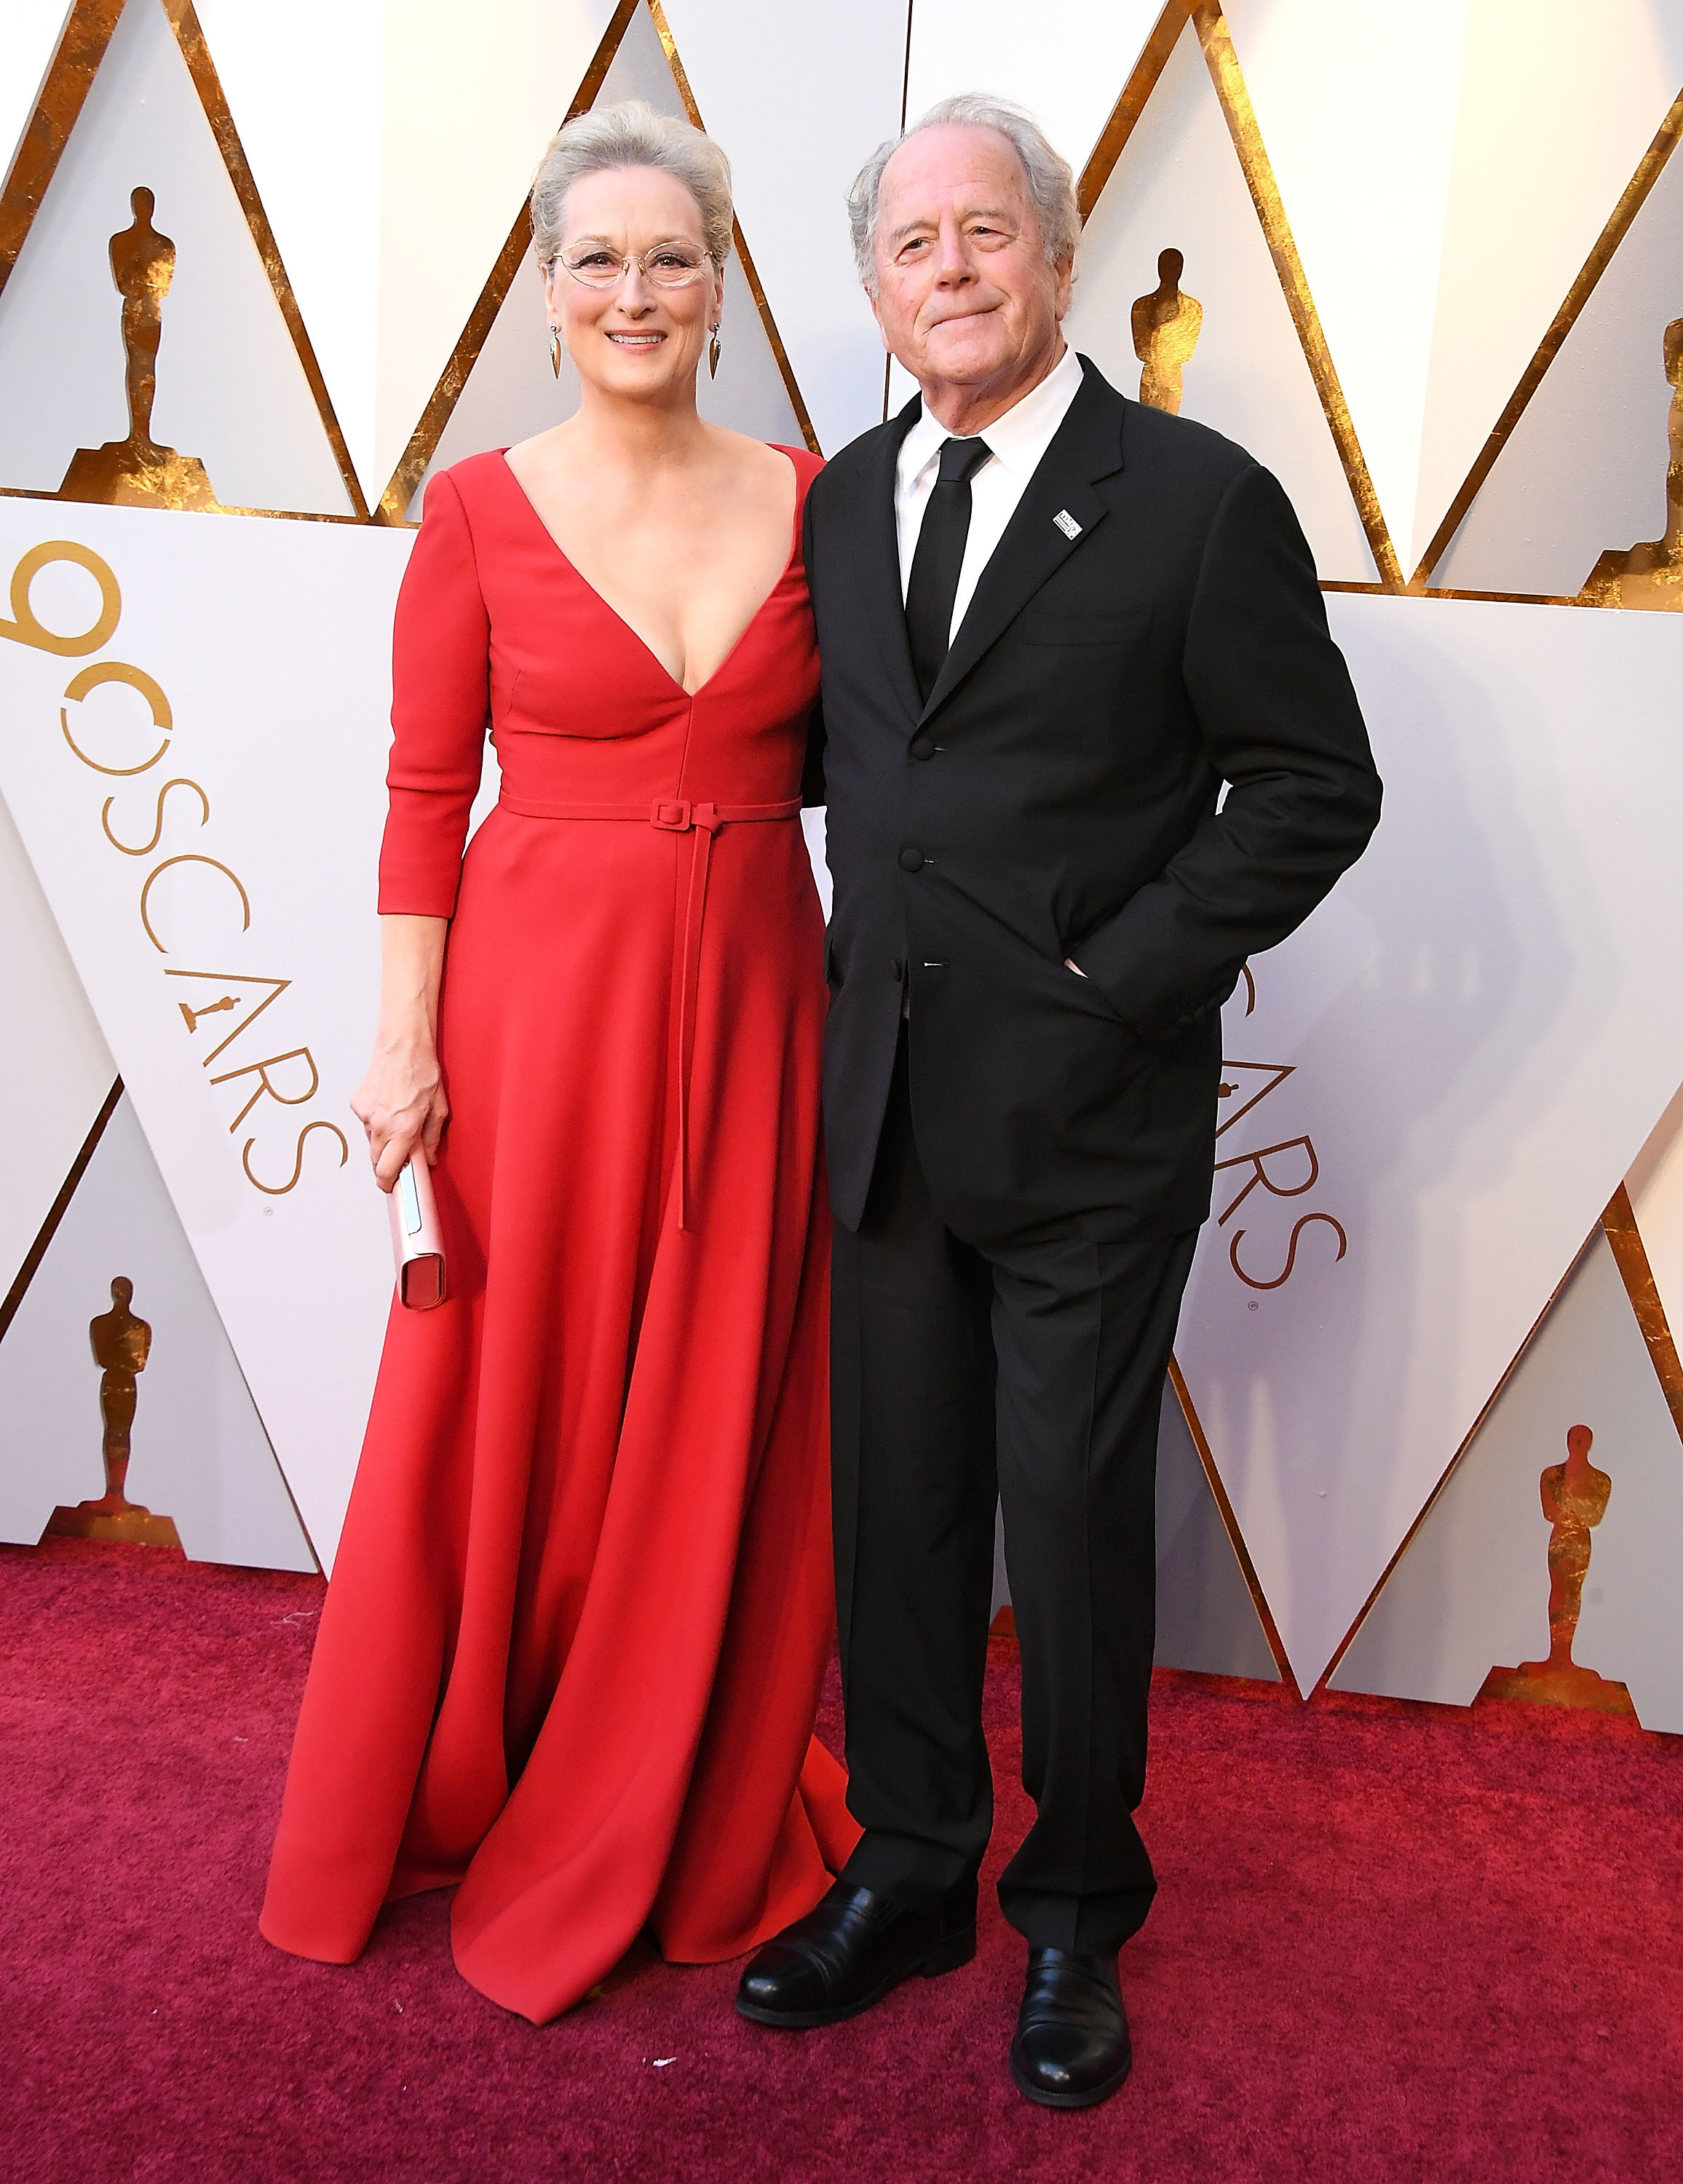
[608, 607]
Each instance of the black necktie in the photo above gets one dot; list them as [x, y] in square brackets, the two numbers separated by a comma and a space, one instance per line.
[933, 584]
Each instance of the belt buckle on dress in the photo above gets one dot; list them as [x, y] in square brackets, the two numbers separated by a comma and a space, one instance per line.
[672, 814]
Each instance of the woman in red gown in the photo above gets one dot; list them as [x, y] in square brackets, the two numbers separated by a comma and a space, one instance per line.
[571, 1655]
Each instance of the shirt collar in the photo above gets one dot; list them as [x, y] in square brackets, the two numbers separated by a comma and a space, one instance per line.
[1018, 439]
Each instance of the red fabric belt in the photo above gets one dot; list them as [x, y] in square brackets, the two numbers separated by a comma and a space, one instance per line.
[674, 814]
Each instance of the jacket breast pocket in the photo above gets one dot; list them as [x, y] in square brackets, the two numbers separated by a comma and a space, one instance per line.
[1055, 626]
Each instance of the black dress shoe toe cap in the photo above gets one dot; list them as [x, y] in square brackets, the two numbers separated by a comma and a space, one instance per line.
[849, 1951]
[1072, 2047]
[1068, 2062]
[783, 1979]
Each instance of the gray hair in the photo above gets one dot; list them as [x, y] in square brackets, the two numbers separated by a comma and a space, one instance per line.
[1048, 179]
[630, 134]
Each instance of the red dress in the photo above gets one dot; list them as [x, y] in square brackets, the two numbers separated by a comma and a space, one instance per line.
[571, 1655]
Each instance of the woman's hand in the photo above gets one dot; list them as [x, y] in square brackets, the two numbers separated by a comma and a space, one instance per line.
[401, 1103]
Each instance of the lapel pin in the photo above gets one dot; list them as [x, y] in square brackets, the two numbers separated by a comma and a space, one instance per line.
[1067, 523]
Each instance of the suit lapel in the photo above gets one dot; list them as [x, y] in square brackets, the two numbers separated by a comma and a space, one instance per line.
[877, 564]
[1086, 447]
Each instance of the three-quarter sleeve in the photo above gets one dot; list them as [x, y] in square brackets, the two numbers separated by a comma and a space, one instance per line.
[440, 711]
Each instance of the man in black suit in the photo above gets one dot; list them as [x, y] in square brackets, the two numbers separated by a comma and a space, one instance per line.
[1052, 624]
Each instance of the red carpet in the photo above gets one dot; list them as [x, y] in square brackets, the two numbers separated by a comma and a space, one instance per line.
[1392, 1942]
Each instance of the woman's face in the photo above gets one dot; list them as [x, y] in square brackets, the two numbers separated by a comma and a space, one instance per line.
[636, 340]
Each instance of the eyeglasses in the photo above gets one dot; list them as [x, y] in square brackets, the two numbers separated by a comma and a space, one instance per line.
[667, 265]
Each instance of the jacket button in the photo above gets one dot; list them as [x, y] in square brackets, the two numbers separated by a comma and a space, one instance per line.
[922, 747]
[911, 861]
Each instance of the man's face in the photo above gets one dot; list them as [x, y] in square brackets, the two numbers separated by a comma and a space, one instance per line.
[965, 296]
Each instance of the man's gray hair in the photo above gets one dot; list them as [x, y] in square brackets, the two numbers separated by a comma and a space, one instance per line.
[1048, 178]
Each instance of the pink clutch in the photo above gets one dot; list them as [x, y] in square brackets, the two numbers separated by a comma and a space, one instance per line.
[417, 1245]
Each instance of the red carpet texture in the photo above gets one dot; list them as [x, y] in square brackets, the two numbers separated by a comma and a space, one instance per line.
[1392, 1942]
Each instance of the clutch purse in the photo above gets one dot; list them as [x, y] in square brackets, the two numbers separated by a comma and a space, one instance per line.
[417, 1245]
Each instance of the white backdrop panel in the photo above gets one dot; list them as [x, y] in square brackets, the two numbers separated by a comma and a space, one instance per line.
[799, 97]
[1655, 1184]
[1558, 102]
[304, 84]
[1478, 1057]
[269, 643]
[1357, 109]
[59, 1068]
[1206, 1620]
[1584, 467]
[512, 391]
[1471, 1594]
[393, 145]
[200, 1455]
[1179, 185]
[30, 30]
[499, 76]
[1067, 63]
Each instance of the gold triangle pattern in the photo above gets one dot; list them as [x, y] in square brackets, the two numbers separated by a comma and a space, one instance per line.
[1631, 1256]
[1253, 1584]
[395, 501]
[1228, 78]
[91, 22]
[1131, 104]
[56, 1213]
[1259, 175]
[1618, 1224]
[669, 47]
[1649, 170]
[69, 78]
[393, 504]
[184, 22]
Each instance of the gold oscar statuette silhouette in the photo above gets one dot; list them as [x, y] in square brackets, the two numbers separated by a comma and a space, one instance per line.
[121, 1345]
[1650, 574]
[1166, 326]
[136, 473]
[1575, 1496]
[191, 1016]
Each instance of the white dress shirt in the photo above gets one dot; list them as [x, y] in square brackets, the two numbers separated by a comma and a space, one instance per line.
[1016, 442]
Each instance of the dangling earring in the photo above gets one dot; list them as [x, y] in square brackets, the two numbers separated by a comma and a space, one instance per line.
[555, 349]
[713, 355]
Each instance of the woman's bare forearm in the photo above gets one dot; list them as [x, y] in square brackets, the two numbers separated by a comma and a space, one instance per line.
[401, 1102]
[411, 971]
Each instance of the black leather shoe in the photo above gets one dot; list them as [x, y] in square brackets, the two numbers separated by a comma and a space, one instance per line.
[1072, 2048]
[849, 1952]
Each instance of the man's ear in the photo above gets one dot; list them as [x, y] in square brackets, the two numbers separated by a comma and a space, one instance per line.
[877, 314]
[1063, 273]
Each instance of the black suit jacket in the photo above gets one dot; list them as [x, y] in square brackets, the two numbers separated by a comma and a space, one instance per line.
[1057, 797]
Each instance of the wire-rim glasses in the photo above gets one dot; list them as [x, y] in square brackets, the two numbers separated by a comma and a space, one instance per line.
[665, 265]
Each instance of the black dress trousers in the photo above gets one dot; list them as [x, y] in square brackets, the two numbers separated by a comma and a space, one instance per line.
[1033, 1373]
